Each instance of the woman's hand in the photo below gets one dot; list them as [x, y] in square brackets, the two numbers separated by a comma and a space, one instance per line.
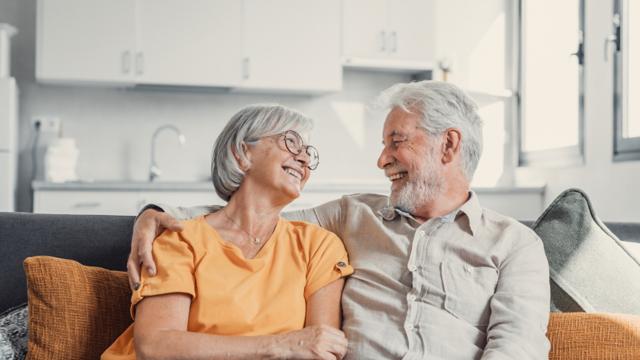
[147, 227]
[313, 342]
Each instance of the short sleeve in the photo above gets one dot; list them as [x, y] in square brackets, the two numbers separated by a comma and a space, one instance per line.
[328, 262]
[175, 260]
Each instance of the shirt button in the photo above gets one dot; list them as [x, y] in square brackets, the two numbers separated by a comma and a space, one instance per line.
[341, 264]
[421, 233]
[411, 297]
[412, 268]
[468, 269]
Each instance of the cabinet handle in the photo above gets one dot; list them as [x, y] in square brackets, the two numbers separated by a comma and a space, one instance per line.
[87, 204]
[394, 42]
[246, 68]
[614, 39]
[139, 63]
[383, 41]
[126, 61]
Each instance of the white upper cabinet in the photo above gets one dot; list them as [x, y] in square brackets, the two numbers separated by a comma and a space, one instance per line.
[412, 30]
[365, 28]
[169, 42]
[85, 40]
[193, 43]
[292, 45]
[388, 34]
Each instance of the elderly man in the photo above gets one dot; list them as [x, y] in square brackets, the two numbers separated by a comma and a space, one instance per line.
[436, 275]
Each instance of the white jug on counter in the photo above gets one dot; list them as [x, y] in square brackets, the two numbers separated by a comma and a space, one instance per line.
[60, 160]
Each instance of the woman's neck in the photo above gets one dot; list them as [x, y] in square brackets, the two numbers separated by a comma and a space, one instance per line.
[252, 212]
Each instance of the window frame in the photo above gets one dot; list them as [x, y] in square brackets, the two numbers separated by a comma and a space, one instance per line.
[562, 156]
[624, 149]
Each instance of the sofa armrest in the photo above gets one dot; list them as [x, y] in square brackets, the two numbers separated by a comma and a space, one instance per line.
[594, 336]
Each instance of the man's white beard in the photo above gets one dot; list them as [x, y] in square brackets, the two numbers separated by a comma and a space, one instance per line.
[421, 190]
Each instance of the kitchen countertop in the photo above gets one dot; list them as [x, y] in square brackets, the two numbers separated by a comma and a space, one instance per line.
[346, 186]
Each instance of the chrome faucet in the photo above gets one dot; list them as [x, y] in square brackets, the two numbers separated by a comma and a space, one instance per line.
[154, 170]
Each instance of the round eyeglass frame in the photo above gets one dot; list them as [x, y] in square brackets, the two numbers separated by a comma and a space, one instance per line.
[311, 151]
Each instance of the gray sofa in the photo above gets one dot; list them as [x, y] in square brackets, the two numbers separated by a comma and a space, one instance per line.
[569, 225]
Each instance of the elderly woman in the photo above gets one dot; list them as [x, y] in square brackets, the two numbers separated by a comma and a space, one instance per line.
[242, 282]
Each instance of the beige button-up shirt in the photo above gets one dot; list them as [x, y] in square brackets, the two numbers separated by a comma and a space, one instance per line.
[470, 285]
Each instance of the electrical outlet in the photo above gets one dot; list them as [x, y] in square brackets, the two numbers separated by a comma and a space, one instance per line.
[46, 124]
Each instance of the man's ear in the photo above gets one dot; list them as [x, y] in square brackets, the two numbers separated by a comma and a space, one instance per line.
[244, 162]
[451, 144]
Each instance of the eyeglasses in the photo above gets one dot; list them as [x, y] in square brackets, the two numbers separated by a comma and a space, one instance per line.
[295, 145]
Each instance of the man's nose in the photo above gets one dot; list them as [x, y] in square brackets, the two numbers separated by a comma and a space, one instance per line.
[384, 159]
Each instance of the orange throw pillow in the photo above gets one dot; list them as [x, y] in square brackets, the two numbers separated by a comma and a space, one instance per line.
[597, 336]
[75, 311]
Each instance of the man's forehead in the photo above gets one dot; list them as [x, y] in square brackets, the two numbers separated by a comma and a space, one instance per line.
[401, 127]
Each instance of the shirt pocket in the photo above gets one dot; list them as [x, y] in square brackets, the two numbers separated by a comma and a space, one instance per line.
[468, 291]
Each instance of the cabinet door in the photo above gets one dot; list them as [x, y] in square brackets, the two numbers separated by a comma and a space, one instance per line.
[179, 198]
[292, 45]
[411, 25]
[364, 27]
[85, 40]
[85, 202]
[195, 42]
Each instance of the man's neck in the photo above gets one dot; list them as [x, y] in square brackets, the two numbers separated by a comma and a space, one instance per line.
[442, 205]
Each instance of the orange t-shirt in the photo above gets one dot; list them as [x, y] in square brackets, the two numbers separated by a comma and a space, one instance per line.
[232, 295]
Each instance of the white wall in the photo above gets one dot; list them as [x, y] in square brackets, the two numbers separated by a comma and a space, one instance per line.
[113, 127]
[612, 186]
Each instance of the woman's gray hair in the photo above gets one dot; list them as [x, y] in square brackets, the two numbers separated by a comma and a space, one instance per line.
[247, 126]
[441, 106]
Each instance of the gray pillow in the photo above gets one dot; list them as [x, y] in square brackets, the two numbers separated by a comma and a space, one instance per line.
[13, 333]
[590, 269]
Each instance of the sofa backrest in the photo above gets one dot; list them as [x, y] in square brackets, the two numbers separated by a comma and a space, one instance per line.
[89, 239]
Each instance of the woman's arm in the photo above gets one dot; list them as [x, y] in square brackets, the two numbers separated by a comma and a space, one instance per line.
[323, 306]
[323, 309]
[160, 332]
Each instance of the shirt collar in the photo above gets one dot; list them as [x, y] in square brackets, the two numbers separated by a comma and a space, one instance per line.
[471, 208]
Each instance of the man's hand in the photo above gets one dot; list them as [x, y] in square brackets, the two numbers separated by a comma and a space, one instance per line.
[313, 342]
[147, 227]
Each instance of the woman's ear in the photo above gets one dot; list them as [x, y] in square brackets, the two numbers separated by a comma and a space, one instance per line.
[244, 162]
[451, 144]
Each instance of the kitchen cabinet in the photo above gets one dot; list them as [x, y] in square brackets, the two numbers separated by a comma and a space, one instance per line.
[85, 40]
[191, 43]
[75, 200]
[273, 45]
[168, 42]
[388, 34]
[292, 45]
[85, 202]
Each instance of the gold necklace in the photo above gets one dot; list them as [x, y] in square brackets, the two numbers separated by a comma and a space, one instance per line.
[254, 239]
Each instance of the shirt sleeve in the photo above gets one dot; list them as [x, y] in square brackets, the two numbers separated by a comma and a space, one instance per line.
[327, 263]
[327, 215]
[175, 270]
[179, 212]
[520, 305]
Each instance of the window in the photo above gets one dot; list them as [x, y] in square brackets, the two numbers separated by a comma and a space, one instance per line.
[551, 82]
[626, 42]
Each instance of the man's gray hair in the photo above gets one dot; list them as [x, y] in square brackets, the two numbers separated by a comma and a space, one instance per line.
[247, 126]
[441, 106]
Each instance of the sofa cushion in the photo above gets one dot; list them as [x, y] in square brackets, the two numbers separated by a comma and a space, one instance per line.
[589, 268]
[584, 336]
[13, 333]
[76, 311]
